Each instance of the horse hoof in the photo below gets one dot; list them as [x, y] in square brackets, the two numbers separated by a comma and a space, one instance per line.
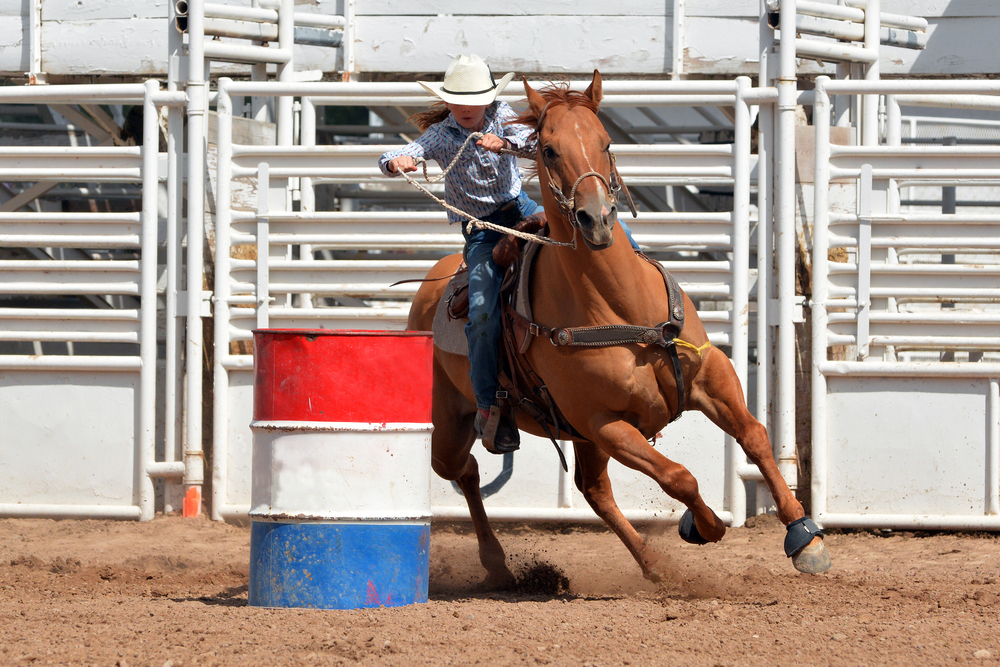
[813, 559]
[688, 531]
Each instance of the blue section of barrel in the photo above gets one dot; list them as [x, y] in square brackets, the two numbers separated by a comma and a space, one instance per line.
[338, 565]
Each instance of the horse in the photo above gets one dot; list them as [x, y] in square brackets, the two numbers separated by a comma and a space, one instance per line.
[615, 398]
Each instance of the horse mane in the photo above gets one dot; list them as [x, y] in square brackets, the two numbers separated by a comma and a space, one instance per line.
[557, 94]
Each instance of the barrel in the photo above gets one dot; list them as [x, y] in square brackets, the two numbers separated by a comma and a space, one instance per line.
[340, 500]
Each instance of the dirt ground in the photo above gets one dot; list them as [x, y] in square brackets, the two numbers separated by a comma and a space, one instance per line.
[172, 593]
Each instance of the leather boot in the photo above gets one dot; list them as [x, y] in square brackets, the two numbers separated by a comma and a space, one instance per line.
[498, 431]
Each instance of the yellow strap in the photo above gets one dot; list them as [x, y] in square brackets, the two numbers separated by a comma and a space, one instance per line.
[699, 350]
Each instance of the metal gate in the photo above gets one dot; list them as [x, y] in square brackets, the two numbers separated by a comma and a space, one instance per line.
[906, 308]
[78, 422]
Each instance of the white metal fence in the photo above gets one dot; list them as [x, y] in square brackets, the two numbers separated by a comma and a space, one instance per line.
[79, 427]
[906, 308]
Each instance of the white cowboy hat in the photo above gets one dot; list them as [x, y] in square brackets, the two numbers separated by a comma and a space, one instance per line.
[468, 80]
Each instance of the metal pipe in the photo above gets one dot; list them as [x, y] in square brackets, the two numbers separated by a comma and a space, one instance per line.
[909, 521]
[821, 9]
[894, 20]
[146, 432]
[174, 325]
[993, 462]
[957, 102]
[239, 29]
[909, 369]
[350, 13]
[834, 51]
[915, 87]
[261, 15]
[740, 278]
[13, 362]
[108, 93]
[821, 122]
[765, 240]
[869, 124]
[223, 221]
[241, 53]
[166, 469]
[786, 248]
[197, 109]
[268, 32]
[44, 511]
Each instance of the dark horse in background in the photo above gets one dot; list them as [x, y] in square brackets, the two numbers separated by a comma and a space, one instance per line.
[615, 398]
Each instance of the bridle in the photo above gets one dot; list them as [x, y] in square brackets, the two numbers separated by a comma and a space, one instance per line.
[567, 205]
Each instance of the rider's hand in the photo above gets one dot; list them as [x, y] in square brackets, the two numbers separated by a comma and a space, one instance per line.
[492, 142]
[401, 163]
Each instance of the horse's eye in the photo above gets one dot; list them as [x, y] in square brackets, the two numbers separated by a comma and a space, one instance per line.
[548, 153]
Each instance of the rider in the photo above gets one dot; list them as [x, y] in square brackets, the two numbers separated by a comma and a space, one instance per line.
[485, 183]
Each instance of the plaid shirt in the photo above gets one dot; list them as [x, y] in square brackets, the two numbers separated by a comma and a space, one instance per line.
[482, 181]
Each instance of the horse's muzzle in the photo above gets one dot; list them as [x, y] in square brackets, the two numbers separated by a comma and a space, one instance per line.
[597, 230]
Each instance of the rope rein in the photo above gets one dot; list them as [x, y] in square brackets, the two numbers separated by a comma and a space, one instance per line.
[472, 220]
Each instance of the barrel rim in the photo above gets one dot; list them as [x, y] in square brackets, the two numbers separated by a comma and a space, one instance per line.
[356, 333]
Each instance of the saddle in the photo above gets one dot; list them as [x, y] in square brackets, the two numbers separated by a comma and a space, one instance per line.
[520, 386]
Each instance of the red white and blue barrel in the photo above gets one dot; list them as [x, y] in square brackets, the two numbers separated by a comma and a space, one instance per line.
[340, 504]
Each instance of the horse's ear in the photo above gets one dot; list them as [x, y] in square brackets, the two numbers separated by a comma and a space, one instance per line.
[535, 101]
[594, 90]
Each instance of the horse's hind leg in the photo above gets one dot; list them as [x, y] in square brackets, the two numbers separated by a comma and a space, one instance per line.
[595, 485]
[451, 458]
[718, 395]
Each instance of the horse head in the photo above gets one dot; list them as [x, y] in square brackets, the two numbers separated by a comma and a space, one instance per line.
[575, 163]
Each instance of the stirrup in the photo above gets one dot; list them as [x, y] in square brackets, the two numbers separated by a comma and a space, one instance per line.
[488, 428]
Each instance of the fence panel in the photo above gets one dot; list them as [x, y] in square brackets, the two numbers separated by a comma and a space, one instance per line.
[906, 310]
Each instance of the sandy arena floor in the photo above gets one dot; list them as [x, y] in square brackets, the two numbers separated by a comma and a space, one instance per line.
[172, 593]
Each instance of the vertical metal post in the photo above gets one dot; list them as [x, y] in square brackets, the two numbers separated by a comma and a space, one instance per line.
[263, 245]
[864, 259]
[173, 409]
[349, 12]
[821, 219]
[35, 73]
[197, 89]
[677, 70]
[147, 301]
[223, 243]
[873, 26]
[994, 447]
[784, 430]
[741, 285]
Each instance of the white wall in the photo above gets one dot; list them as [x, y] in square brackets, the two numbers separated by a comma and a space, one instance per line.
[109, 37]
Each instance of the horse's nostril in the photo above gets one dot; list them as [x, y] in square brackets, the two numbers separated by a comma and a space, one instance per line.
[612, 215]
[584, 218]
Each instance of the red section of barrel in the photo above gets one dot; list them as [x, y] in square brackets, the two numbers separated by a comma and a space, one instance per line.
[342, 376]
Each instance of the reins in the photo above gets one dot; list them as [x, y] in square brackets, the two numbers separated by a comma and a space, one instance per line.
[472, 220]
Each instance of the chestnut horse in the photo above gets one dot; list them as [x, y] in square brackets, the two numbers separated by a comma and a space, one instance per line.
[615, 397]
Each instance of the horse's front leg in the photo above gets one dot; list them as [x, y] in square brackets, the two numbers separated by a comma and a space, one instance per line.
[595, 485]
[624, 443]
[716, 393]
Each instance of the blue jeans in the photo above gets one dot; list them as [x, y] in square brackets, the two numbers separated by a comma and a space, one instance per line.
[483, 329]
